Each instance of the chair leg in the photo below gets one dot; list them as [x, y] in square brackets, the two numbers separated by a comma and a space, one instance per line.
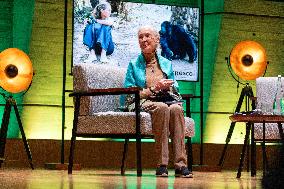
[253, 153]
[264, 158]
[71, 155]
[74, 130]
[248, 127]
[138, 156]
[125, 151]
[189, 154]
[248, 155]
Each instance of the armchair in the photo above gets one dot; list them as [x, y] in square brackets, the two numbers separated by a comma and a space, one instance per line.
[270, 132]
[97, 114]
[265, 92]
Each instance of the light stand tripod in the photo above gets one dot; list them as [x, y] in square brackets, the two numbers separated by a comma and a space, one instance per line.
[248, 61]
[10, 101]
[246, 94]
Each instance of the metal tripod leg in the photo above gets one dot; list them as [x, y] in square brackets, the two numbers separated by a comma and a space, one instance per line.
[246, 92]
[229, 135]
[248, 128]
[27, 148]
[4, 129]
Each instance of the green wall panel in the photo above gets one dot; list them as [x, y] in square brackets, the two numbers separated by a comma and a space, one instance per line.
[15, 31]
[22, 24]
[6, 24]
[6, 38]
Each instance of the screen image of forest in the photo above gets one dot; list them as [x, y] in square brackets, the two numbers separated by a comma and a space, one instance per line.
[178, 28]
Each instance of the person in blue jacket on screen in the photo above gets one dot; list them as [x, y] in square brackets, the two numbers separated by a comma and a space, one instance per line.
[97, 34]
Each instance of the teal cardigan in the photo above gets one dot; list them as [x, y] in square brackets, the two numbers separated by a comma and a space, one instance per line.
[136, 72]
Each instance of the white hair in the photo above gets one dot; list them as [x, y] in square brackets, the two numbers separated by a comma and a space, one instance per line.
[151, 28]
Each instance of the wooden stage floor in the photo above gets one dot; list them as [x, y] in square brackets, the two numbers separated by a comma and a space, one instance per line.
[98, 178]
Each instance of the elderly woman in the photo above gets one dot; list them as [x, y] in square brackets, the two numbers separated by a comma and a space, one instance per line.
[154, 74]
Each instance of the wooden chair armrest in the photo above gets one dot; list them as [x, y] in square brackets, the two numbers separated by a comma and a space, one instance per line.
[107, 91]
[187, 98]
[110, 91]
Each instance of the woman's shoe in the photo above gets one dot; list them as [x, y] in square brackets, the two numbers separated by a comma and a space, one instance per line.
[92, 57]
[162, 171]
[104, 60]
[183, 172]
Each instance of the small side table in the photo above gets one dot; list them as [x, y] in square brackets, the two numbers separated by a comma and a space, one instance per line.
[250, 119]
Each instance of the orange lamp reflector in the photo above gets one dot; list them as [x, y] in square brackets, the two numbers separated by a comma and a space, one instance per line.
[248, 60]
[16, 70]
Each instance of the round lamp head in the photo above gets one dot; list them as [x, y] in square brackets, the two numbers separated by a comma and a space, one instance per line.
[16, 70]
[248, 60]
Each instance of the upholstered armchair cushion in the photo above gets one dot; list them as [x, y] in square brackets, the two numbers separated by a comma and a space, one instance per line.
[265, 92]
[107, 123]
[93, 76]
[100, 114]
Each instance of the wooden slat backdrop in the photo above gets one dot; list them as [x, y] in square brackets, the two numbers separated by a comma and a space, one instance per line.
[46, 52]
[259, 20]
[43, 119]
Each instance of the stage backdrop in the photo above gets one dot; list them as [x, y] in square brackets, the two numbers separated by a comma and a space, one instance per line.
[41, 114]
[178, 25]
[36, 26]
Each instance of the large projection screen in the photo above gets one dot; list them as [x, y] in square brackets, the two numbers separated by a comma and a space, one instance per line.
[178, 27]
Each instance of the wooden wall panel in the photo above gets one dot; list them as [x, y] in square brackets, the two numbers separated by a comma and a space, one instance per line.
[42, 113]
[259, 20]
[47, 52]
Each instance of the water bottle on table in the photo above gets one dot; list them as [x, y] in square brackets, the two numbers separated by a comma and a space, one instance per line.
[278, 103]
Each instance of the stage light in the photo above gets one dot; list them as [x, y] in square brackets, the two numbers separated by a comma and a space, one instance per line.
[16, 74]
[16, 70]
[248, 60]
